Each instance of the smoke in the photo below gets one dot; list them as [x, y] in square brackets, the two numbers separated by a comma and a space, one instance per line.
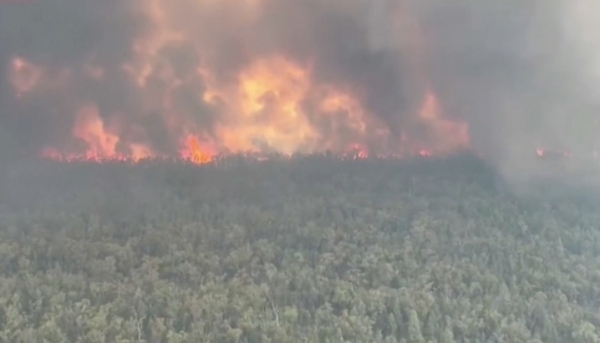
[523, 74]
[139, 76]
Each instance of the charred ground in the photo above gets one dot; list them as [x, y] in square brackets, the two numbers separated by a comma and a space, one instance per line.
[311, 248]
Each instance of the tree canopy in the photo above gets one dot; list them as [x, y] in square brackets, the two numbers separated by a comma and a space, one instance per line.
[308, 249]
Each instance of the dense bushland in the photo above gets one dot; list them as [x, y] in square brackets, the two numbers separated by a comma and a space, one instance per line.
[312, 249]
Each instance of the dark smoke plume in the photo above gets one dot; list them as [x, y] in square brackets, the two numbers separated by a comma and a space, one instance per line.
[520, 73]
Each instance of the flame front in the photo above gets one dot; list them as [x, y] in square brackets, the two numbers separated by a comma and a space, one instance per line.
[263, 110]
[195, 152]
[173, 86]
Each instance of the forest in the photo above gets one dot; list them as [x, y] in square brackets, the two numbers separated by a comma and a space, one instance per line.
[304, 249]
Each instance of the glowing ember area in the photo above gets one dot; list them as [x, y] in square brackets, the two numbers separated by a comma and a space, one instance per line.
[24, 76]
[558, 154]
[357, 152]
[539, 152]
[426, 153]
[182, 92]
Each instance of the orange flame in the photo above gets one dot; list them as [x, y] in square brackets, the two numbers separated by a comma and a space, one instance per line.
[271, 104]
[451, 135]
[194, 152]
[90, 129]
[263, 109]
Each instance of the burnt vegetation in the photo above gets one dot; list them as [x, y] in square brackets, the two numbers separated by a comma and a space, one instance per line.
[308, 249]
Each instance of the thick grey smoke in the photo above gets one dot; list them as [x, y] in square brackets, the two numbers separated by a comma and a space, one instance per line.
[522, 74]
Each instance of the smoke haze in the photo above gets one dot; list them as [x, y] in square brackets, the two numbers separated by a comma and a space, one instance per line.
[141, 78]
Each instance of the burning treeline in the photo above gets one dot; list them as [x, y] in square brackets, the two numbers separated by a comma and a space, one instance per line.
[196, 78]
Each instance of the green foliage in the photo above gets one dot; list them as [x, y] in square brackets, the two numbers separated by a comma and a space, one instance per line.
[310, 249]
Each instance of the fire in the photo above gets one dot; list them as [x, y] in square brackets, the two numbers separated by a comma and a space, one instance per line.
[91, 129]
[557, 154]
[540, 152]
[24, 76]
[425, 153]
[100, 141]
[181, 103]
[343, 113]
[357, 152]
[267, 110]
[452, 135]
[194, 152]
[263, 109]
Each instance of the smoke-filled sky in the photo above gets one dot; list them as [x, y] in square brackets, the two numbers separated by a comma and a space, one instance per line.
[152, 77]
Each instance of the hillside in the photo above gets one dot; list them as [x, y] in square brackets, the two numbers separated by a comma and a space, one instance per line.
[312, 249]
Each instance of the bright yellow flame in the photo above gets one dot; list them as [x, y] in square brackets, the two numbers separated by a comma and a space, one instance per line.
[266, 103]
[265, 109]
